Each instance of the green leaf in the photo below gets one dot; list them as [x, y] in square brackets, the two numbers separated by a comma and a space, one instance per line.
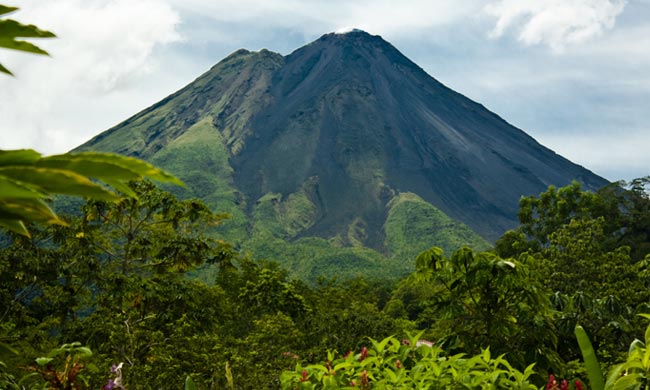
[57, 181]
[10, 30]
[26, 378]
[88, 167]
[20, 45]
[5, 9]
[14, 225]
[19, 157]
[634, 346]
[84, 352]
[379, 346]
[26, 178]
[139, 167]
[42, 361]
[614, 375]
[591, 361]
[630, 381]
[10, 188]
[189, 383]
[5, 348]
[29, 210]
[5, 70]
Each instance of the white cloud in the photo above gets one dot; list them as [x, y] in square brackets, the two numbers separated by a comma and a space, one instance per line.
[103, 48]
[312, 16]
[555, 23]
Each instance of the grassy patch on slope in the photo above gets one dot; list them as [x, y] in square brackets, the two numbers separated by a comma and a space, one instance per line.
[414, 225]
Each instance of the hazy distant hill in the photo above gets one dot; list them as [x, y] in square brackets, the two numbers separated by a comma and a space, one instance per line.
[343, 157]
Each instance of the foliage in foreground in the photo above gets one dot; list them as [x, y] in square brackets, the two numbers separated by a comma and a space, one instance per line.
[115, 279]
[27, 179]
[408, 364]
[12, 34]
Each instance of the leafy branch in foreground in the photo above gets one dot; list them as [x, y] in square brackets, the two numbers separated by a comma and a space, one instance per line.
[408, 364]
[27, 179]
[11, 31]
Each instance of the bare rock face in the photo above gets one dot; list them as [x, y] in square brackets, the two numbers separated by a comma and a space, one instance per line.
[327, 138]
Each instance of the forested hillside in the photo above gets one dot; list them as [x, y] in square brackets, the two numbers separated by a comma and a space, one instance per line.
[117, 280]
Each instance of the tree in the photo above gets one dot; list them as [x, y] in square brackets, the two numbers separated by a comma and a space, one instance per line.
[541, 216]
[115, 278]
[623, 207]
[589, 250]
[483, 300]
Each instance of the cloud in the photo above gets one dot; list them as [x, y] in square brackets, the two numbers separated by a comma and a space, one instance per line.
[317, 17]
[103, 48]
[105, 41]
[555, 23]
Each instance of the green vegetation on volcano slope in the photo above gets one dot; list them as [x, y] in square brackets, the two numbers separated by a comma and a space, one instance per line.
[413, 225]
[202, 158]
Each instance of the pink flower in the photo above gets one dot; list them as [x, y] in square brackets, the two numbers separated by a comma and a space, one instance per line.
[364, 378]
[552, 383]
[364, 354]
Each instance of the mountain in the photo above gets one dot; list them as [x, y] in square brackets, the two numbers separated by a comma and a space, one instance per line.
[342, 154]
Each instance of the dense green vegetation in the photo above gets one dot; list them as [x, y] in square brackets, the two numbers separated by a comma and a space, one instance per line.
[115, 279]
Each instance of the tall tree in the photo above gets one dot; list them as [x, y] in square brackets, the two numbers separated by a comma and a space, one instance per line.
[483, 300]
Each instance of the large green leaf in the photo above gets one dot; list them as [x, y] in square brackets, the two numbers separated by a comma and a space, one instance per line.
[105, 166]
[26, 179]
[34, 210]
[114, 175]
[57, 181]
[591, 361]
[14, 211]
[19, 157]
[11, 188]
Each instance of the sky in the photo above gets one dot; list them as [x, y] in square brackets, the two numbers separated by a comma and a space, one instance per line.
[573, 74]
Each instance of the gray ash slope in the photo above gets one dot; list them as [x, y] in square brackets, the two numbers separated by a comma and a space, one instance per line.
[352, 123]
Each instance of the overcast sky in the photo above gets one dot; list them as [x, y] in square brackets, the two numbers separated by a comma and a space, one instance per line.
[574, 74]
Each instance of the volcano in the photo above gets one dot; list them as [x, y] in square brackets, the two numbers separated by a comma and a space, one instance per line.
[344, 143]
